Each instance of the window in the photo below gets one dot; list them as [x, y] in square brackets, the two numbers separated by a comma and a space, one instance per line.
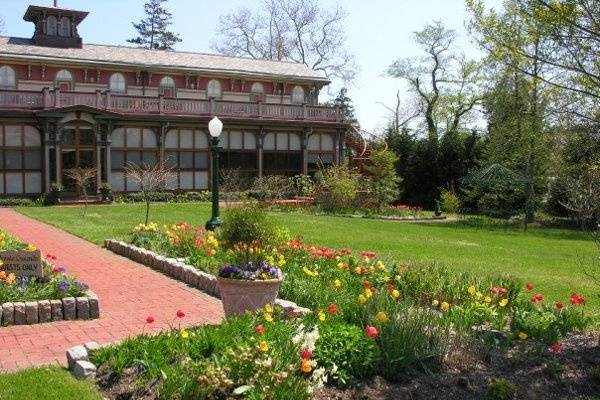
[282, 154]
[131, 145]
[65, 27]
[64, 80]
[167, 86]
[8, 79]
[51, 26]
[117, 83]
[239, 152]
[214, 89]
[298, 95]
[186, 151]
[20, 160]
[257, 92]
[321, 150]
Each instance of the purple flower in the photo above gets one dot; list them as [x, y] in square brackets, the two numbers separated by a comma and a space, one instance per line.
[63, 286]
[81, 285]
[250, 271]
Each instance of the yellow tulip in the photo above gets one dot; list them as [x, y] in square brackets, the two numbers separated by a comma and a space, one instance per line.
[472, 290]
[263, 346]
[337, 284]
[523, 336]
[445, 306]
[268, 317]
[321, 315]
[184, 334]
[435, 303]
[381, 317]
[362, 299]
[488, 299]
[503, 302]
[268, 308]
[395, 294]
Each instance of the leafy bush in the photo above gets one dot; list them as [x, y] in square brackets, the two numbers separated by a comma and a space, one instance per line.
[347, 348]
[304, 185]
[272, 187]
[18, 202]
[501, 389]
[248, 224]
[338, 188]
[384, 183]
[138, 197]
[449, 201]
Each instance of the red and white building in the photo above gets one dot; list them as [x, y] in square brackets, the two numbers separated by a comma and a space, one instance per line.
[67, 104]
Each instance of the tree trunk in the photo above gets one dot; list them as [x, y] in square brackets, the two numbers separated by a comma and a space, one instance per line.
[147, 209]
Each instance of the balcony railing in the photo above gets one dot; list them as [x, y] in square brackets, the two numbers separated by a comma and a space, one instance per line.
[52, 99]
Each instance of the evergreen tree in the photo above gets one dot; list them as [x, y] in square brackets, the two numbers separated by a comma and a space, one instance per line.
[342, 100]
[153, 30]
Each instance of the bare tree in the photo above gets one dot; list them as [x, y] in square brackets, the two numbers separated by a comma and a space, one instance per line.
[400, 115]
[149, 178]
[83, 177]
[294, 30]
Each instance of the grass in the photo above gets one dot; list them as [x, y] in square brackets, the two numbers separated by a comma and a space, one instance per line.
[48, 383]
[550, 258]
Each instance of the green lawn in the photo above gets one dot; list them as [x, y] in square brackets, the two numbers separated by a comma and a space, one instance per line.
[550, 258]
[48, 383]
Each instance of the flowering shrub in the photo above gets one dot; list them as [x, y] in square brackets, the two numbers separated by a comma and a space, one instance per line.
[250, 271]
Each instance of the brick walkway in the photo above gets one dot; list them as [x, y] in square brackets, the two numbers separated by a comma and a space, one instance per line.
[128, 292]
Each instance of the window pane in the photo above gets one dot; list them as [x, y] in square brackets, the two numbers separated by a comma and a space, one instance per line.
[86, 136]
[134, 137]
[201, 159]
[295, 142]
[249, 160]
[134, 157]
[235, 140]
[1, 159]
[171, 140]
[201, 140]
[326, 143]
[118, 137]
[12, 135]
[201, 180]
[269, 141]
[132, 185]
[249, 141]
[171, 159]
[33, 182]
[14, 183]
[68, 136]
[186, 138]
[327, 158]
[282, 141]
[32, 137]
[117, 181]
[13, 159]
[149, 158]
[33, 160]
[314, 142]
[186, 180]
[186, 160]
[1, 183]
[149, 138]
[117, 159]
[295, 161]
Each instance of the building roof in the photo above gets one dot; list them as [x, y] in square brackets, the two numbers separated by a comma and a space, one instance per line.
[124, 56]
[33, 13]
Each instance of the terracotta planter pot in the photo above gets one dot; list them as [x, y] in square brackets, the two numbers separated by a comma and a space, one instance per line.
[239, 296]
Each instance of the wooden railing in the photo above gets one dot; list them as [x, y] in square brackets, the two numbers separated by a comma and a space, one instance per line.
[51, 99]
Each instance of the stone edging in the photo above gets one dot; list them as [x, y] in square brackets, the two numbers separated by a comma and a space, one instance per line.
[41, 311]
[183, 272]
[78, 360]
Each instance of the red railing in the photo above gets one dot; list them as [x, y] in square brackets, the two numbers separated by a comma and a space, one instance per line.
[49, 99]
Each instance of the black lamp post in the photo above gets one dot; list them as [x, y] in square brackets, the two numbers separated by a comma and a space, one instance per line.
[215, 126]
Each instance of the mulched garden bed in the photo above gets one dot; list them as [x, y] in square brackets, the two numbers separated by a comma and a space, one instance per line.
[574, 373]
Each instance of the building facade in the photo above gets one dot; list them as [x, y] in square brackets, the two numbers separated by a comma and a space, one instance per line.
[65, 104]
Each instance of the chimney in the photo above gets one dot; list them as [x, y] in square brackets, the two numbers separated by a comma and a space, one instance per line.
[55, 3]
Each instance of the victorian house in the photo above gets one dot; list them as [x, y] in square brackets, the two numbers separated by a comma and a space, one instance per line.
[66, 104]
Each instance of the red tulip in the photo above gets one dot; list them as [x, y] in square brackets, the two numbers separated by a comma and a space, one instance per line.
[332, 309]
[502, 291]
[559, 306]
[537, 298]
[495, 290]
[371, 332]
[529, 287]
[366, 284]
[577, 299]
[149, 319]
[180, 314]
[259, 329]
[306, 354]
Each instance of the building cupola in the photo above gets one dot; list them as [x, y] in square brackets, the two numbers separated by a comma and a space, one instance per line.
[54, 26]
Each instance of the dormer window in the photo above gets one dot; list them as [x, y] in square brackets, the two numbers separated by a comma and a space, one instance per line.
[213, 89]
[298, 95]
[65, 27]
[64, 80]
[8, 79]
[117, 83]
[51, 25]
[257, 92]
[167, 86]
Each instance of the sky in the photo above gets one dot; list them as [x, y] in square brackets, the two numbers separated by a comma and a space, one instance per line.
[378, 32]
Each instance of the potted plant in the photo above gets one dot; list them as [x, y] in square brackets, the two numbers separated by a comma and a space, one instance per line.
[55, 191]
[105, 191]
[248, 286]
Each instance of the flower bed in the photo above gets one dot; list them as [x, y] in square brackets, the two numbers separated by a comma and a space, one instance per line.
[54, 297]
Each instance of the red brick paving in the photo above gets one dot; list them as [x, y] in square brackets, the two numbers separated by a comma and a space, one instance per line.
[128, 292]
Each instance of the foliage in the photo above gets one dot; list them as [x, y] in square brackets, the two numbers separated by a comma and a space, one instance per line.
[153, 30]
[287, 30]
[384, 183]
[139, 197]
[343, 101]
[232, 182]
[583, 196]
[501, 389]
[149, 179]
[338, 188]
[248, 224]
[304, 185]
[449, 201]
[346, 348]
[17, 202]
[272, 187]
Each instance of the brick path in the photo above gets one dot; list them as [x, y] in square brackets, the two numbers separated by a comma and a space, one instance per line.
[128, 292]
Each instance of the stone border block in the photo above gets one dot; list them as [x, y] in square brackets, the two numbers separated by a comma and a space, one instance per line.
[31, 312]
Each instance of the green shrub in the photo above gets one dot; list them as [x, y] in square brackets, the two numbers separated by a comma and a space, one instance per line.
[272, 187]
[138, 197]
[501, 389]
[247, 224]
[304, 185]
[346, 347]
[384, 183]
[449, 201]
[339, 187]
[10, 202]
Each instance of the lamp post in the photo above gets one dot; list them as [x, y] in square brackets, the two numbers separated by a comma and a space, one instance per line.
[215, 126]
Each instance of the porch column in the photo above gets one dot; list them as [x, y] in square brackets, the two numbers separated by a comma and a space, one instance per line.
[98, 157]
[57, 150]
[336, 150]
[109, 129]
[47, 142]
[259, 151]
[305, 136]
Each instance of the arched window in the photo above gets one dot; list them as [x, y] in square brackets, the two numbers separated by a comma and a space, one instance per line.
[117, 83]
[65, 27]
[64, 80]
[298, 95]
[321, 151]
[214, 89]
[257, 91]
[167, 86]
[8, 79]
[51, 25]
